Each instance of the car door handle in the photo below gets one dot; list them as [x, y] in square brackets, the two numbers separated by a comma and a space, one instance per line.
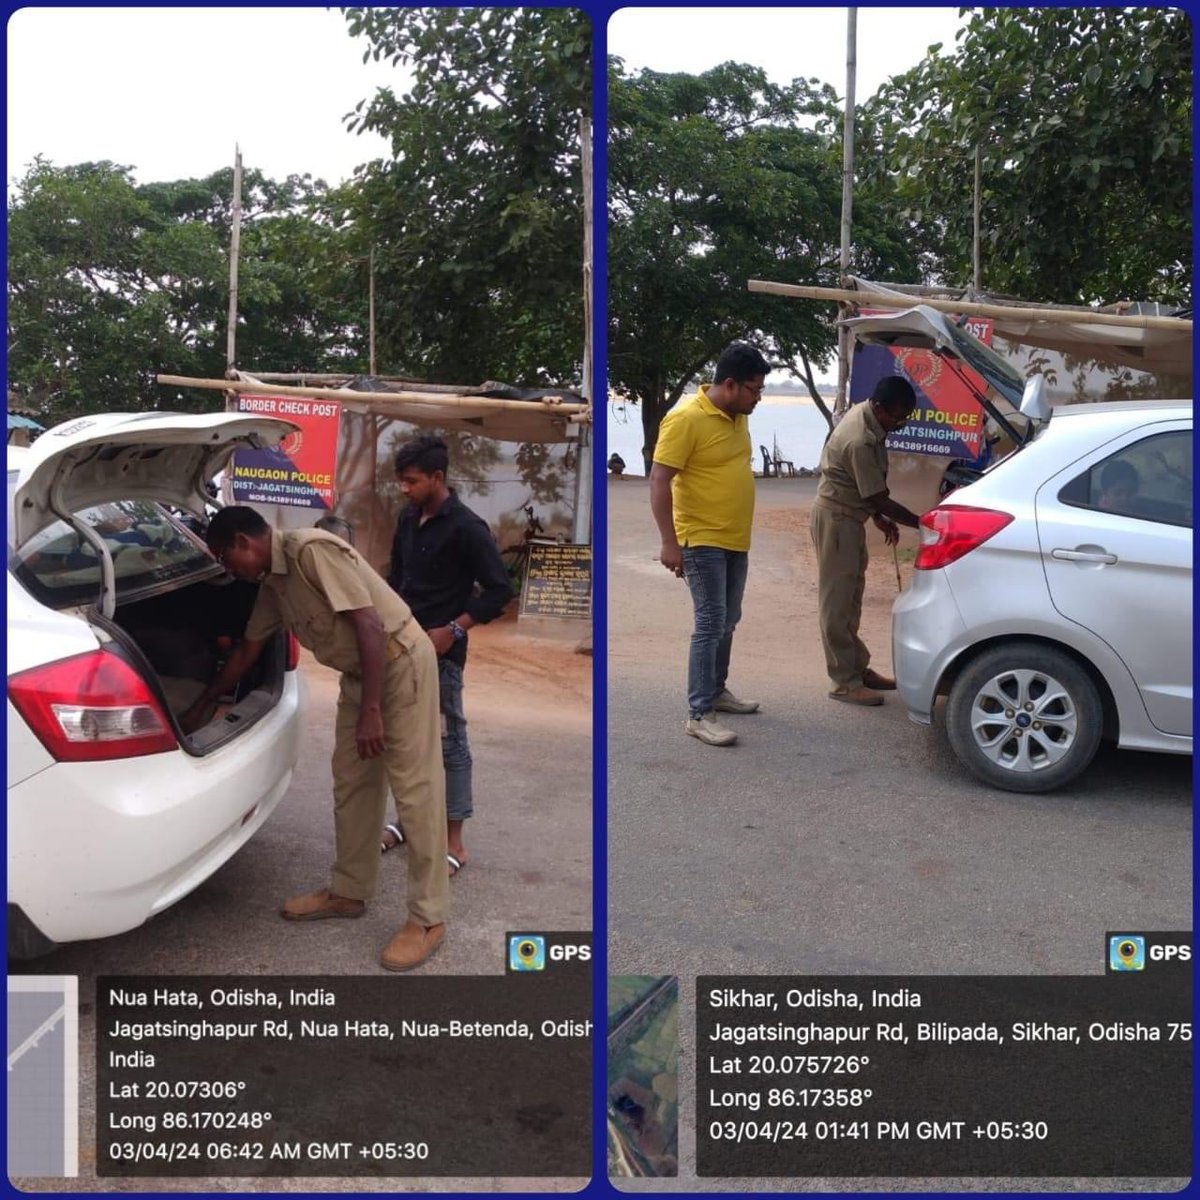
[1092, 556]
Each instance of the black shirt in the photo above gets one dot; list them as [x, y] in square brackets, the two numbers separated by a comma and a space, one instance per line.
[436, 565]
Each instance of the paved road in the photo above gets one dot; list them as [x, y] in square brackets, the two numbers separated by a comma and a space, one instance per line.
[835, 840]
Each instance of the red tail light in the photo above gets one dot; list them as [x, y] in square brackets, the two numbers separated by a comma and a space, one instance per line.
[90, 707]
[952, 530]
[293, 651]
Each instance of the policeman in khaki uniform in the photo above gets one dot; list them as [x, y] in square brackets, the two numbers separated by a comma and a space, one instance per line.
[854, 487]
[388, 728]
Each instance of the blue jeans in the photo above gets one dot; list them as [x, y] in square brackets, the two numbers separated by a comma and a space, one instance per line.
[456, 751]
[717, 580]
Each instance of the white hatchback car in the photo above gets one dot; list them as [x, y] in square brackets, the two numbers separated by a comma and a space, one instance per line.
[1052, 597]
[117, 615]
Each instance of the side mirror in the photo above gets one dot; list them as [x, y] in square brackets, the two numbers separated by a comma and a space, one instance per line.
[1034, 403]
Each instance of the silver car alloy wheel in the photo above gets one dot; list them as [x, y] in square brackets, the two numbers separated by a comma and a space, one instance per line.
[1024, 720]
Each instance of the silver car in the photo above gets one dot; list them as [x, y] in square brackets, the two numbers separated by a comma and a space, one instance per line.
[1052, 597]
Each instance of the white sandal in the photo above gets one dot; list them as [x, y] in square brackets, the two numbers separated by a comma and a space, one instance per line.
[397, 833]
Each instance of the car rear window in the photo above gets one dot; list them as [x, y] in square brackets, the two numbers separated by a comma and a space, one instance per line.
[148, 548]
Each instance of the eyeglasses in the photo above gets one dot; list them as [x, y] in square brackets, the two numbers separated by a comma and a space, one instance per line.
[754, 391]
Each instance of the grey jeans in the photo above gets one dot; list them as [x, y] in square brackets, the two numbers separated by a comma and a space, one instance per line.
[456, 750]
[717, 580]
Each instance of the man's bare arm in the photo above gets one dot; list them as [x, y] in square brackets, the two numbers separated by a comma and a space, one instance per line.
[663, 510]
[884, 505]
[244, 656]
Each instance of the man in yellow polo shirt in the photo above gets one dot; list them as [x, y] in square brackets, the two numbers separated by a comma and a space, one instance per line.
[702, 498]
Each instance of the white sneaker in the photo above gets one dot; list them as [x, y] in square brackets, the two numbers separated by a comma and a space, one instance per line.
[727, 702]
[710, 731]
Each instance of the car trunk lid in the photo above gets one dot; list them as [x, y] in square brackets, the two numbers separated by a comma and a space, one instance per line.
[163, 457]
[927, 329]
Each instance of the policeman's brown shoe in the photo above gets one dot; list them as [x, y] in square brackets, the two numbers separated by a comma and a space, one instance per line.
[857, 695]
[411, 946]
[315, 906]
[881, 683]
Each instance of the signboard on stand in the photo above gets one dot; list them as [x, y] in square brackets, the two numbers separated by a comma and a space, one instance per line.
[558, 582]
[948, 420]
[300, 471]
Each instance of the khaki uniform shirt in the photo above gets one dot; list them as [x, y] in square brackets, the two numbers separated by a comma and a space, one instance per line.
[854, 463]
[314, 581]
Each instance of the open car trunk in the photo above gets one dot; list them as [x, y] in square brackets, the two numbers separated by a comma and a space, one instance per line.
[89, 534]
[177, 614]
[178, 641]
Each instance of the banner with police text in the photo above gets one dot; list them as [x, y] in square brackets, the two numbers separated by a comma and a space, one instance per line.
[300, 471]
[947, 421]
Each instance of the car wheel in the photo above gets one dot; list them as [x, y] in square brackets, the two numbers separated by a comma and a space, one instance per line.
[1024, 717]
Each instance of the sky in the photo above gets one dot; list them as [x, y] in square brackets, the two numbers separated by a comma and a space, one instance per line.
[169, 91]
[787, 43]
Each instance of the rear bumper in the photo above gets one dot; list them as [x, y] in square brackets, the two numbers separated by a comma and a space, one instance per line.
[927, 628]
[95, 849]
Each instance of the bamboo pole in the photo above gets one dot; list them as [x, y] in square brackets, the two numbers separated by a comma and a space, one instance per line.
[978, 276]
[581, 530]
[371, 312]
[316, 377]
[1050, 315]
[550, 404]
[234, 251]
[840, 402]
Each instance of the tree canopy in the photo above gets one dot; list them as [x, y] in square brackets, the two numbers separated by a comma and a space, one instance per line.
[477, 217]
[475, 221]
[715, 179]
[1083, 118]
[111, 282]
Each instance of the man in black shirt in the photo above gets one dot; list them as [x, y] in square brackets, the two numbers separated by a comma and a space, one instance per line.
[440, 552]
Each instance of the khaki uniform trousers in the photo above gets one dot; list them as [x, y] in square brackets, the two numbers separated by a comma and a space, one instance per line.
[411, 765]
[841, 545]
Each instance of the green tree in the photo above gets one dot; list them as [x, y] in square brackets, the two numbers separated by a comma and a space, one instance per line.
[477, 217]
[1083, 119]
[715, 179]
[111, 282]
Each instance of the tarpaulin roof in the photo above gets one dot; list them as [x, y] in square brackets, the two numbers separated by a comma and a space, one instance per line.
[495, 410]
[1167, 347]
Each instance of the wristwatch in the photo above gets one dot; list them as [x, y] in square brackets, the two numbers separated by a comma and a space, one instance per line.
[458, 631]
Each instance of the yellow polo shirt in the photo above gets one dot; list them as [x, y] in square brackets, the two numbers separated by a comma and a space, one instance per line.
[713, 494]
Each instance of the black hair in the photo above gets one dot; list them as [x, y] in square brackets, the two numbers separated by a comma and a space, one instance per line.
[740, 362]
[229, 522]
[894, 394]
[427, 453]
[1116, 473]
